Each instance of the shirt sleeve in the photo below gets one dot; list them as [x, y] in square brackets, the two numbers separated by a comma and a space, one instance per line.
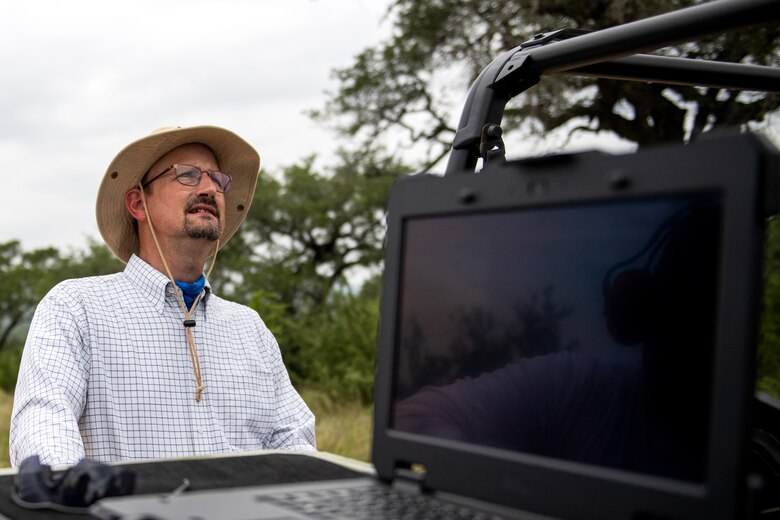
[51, 387]
[294, 424]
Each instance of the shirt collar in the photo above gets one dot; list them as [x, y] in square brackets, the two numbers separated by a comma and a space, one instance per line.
[152, 283]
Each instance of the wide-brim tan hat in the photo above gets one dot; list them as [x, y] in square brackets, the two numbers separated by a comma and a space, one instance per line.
[235, 157]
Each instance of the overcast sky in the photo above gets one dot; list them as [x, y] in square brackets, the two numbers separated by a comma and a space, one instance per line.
[80, 79]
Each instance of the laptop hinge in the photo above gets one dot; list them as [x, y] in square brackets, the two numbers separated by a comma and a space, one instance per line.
[410, 478]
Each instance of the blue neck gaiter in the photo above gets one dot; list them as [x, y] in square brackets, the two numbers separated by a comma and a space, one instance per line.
[191, 290]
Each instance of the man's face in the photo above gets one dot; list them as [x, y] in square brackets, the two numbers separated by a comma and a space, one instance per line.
[180, 211]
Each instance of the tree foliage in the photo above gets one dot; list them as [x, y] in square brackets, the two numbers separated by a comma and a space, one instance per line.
[331, 348]
[397, 86]
[306, 231]
[26, 277]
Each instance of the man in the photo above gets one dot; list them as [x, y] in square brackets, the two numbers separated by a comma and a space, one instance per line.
[149, 362]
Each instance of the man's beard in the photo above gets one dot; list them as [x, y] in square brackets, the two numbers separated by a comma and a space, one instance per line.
[209, 229]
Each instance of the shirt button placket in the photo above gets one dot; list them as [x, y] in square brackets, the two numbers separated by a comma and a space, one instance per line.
[200, 434]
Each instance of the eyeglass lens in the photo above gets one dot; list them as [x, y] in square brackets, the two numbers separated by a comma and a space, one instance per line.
[190, 176]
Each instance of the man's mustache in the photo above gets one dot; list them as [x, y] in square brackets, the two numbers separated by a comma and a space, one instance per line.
[202, 200]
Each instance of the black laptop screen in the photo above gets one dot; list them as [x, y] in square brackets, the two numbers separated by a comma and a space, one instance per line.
[581, 332]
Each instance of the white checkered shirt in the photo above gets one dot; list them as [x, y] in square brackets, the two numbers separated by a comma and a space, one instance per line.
[106, 373]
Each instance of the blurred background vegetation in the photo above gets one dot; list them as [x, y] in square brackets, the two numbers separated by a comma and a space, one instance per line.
[308, 257]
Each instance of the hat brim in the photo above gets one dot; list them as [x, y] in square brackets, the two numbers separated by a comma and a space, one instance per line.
[234, 156]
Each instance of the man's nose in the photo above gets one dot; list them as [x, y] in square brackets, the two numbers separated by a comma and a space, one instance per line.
[206, 185]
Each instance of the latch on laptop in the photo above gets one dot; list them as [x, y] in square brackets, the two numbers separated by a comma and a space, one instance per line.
[410, 477]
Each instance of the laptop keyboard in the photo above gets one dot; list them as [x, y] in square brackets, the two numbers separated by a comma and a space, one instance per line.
[374, 503]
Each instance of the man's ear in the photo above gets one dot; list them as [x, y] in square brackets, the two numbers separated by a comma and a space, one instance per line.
[135, 205]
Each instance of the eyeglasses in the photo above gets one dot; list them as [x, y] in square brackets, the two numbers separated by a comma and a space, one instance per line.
[190, 176]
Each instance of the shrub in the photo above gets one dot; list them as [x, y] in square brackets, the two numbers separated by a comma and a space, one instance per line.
[9, 366]
[331, 349]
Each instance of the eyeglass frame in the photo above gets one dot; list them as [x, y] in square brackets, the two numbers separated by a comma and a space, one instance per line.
[210, 173]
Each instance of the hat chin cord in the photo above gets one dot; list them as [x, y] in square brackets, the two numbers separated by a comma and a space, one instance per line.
[189, 323]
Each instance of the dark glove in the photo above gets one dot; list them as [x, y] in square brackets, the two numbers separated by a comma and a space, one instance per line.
[71, 490]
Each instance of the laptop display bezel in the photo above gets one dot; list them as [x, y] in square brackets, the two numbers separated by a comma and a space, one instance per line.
[735, 168]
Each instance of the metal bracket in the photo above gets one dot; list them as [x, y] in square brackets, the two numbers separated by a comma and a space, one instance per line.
[491, 146]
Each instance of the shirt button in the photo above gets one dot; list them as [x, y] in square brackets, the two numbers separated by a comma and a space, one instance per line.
[200, 430]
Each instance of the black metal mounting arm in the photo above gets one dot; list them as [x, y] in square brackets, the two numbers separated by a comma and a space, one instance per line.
[611, 53]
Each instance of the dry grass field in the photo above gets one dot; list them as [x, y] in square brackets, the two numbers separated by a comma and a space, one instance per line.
[342, 428]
